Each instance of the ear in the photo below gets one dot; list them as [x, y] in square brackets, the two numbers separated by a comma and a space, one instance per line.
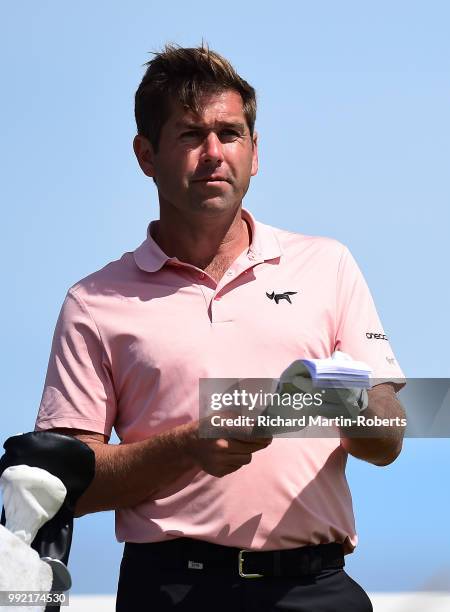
[145, 154]
[255, 154]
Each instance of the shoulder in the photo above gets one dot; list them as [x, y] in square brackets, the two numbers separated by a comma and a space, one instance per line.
[109, 281]
[294, 243]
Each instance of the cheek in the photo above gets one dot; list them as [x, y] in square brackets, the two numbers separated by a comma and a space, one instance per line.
[175, 169]
[244, 167]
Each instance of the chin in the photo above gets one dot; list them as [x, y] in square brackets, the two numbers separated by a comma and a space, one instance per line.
[214, 205]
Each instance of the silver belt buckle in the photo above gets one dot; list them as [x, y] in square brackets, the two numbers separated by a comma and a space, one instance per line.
[241, 563]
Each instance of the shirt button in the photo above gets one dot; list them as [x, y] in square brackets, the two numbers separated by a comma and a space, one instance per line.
[230, 273]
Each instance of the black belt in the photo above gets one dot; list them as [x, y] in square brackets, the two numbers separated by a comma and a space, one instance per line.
[187, 553]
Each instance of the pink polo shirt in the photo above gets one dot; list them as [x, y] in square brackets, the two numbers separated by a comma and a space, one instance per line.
[133, 339]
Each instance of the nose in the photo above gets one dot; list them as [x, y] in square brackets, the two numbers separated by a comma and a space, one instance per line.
[212, 150]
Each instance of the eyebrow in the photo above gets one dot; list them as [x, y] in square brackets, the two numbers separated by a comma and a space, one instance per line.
[200, 126]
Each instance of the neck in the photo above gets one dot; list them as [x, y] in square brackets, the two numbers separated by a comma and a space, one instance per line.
[202, 239]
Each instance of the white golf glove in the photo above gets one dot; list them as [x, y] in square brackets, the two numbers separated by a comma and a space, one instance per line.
[336, 401]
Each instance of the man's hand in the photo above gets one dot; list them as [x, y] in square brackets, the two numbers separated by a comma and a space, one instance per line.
[222, 456]
[336, 401]
[128, 474]
[377, 444]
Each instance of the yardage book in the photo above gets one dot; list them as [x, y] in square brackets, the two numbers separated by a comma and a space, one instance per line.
[338, 371]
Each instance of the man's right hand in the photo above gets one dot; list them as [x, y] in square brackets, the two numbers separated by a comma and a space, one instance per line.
[128, 474]
[222, 456]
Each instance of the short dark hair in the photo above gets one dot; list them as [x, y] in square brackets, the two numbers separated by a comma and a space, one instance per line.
[185, 74]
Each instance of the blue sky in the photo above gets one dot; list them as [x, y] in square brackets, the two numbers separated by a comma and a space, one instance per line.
[354, 144]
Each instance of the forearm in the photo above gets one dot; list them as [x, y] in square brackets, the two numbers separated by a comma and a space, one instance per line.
[127, 474]
[381, 444]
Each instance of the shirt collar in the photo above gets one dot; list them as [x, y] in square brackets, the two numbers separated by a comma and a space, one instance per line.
[149, 257]
[264, 244]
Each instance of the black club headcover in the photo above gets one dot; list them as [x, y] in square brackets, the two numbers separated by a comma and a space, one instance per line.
[73, 462]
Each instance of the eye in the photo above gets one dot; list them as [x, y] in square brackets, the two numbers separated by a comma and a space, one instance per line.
[229, 135]
[190, 134]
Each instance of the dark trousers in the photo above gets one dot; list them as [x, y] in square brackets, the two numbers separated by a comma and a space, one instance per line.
[147, 583]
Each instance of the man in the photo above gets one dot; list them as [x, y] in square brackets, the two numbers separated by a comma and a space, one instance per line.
[194, 301]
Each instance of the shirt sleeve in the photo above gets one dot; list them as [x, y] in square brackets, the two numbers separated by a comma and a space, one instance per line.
[78, 391]
[358, 328]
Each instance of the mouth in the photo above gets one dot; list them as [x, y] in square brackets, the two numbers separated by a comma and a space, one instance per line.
[211, 179]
